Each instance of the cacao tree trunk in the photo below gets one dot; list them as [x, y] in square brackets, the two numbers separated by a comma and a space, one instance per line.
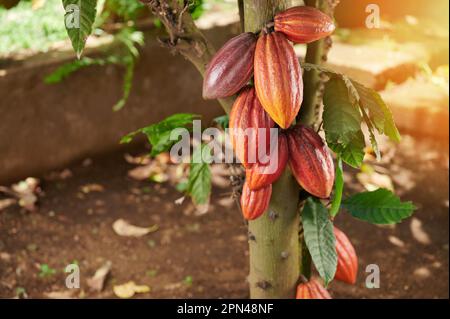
[273, 238]
[278, 255]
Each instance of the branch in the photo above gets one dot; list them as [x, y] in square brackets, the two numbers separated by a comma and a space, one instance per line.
[313, 80]
[184, 37]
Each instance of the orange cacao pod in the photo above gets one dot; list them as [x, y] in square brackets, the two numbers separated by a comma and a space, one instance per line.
[260, 176]
[310, 161]
[304, 24]
[231, 68]
[278, 78]
[347, 267]
[255, 203]
[313, 289]
[248, 115]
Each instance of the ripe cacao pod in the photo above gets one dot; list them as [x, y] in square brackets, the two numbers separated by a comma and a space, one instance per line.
[278, 78]
[310, 161]
[347, 267]
[255, 203]
[304, 24]
[231, 68]
[248, 116]
[262, 175]
[313, 289]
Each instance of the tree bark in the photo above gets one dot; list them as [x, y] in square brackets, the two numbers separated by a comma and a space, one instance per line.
[273, 238]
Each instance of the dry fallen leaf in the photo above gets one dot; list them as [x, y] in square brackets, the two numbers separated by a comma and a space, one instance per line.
[124, 228]
[25, 191]
[5, 203]
[129, 289]
[396, 241]
[418, 233]
[97, 282]
[137, 160]
[88, 188]
[66, 294]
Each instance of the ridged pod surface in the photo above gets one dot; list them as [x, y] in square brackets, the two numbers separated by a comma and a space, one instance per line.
[304, 24]
[347, 267]
[231, 68]
[313, 289]
[255, 203]
[278, 78]
[260, 176]
[247, 113]
[310, 161]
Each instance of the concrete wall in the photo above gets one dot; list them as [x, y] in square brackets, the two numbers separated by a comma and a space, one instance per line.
[45, 127]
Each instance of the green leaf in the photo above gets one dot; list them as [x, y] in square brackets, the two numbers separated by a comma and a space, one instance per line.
[223, 121]
[199, 183]
[79, 18]
[67, 69]
[378, 207]
[338, 189]
[341, 118]
[342, 123]
[319, 238]
[158, 134]
[379, 113]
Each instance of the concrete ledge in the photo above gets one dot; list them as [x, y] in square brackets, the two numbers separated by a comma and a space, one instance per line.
[45, 127]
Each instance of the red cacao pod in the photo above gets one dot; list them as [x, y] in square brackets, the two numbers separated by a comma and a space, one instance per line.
[262, 175]
[248, 116]
[310, 161]
[347, 267]
[304, 24]
[278, 78]
[255, 203]
[231, 68]
[313, 289]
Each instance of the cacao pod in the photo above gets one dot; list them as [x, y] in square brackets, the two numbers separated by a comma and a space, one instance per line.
[313, 289]
[255, 203]
[249, 127]
[304, 24]
[347, 267]
[262, 175]
[231, 68]
[310, 161]
[278, 78]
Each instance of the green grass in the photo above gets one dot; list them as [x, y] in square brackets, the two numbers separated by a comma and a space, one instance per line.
[22, 28]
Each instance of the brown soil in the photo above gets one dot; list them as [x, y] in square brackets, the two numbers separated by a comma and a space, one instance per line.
[206, 256]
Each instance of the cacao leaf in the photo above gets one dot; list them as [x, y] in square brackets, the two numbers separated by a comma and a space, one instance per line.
[379, 113]
[338, 189]
[199, 183]
[158, 134]
[378, 207]
[79, 18]
[319, 238]
[342, 123]
[223, 121]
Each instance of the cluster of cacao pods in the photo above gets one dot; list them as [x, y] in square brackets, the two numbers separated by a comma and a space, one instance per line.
[274, 100]
[346, 270]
